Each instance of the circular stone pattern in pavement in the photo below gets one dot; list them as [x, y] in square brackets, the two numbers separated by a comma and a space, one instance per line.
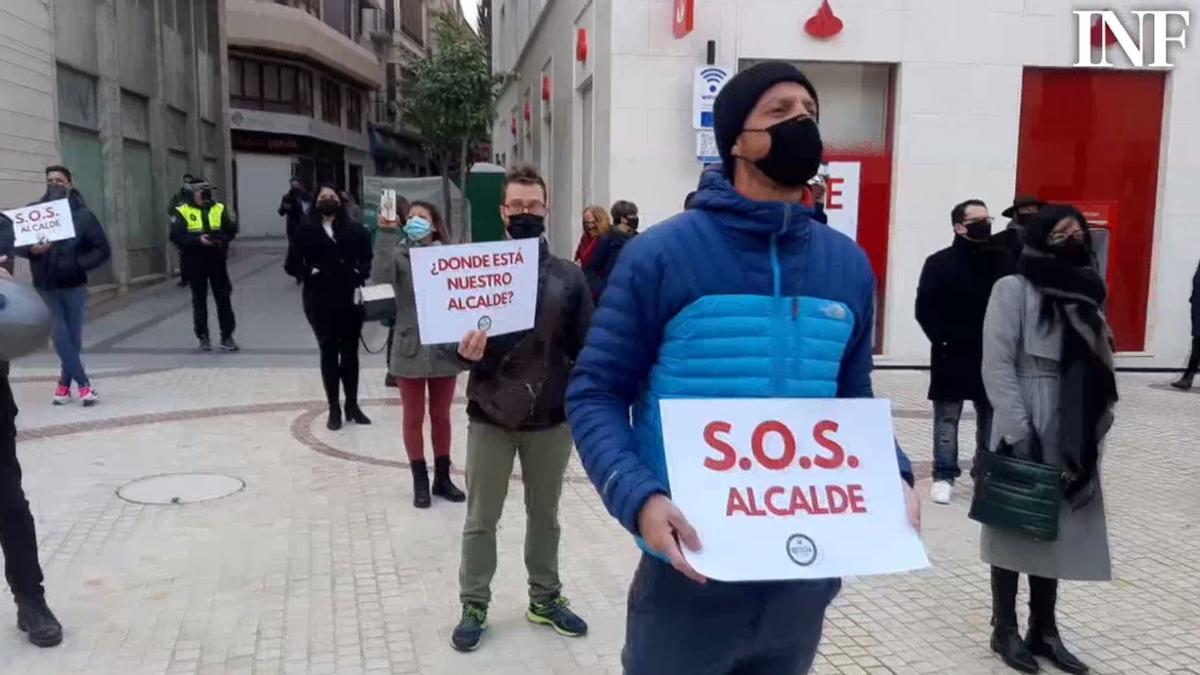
[180, 488]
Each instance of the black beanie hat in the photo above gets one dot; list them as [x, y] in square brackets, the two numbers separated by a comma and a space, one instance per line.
[739, 96]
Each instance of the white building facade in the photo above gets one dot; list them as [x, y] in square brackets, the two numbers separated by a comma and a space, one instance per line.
[931, 102]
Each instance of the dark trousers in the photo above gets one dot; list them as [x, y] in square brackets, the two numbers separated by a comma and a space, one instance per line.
[18, 538]
[946, 415]
[337, 324]
[675, 626]
[203, 274]
[1193, 363]
[1043, 597]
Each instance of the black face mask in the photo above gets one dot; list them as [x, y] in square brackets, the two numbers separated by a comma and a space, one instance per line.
[632, 222]
[1072, 251]
[328, 207]
[526, 226]
[57, 192]
[795, 154]
[979, 231]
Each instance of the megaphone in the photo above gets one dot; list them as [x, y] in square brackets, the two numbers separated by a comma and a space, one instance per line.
[24, 320]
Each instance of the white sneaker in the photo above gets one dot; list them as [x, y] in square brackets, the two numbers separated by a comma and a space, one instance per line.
[941, 492]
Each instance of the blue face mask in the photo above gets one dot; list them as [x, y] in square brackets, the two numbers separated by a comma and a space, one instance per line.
[417, 228]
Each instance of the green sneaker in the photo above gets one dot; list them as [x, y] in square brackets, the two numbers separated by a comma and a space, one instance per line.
[469, 631]
[556, 614]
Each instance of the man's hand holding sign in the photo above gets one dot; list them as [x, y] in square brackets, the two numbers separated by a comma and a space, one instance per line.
[783, 489]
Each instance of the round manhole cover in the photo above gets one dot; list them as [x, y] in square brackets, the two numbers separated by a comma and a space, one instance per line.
[180, 488]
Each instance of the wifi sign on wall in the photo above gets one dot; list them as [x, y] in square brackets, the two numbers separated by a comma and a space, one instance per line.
[706, 85]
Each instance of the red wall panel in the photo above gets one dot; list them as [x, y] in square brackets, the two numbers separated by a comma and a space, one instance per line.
[1093, 136]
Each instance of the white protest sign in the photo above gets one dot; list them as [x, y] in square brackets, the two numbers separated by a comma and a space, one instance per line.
[842, 189]
[490, 287]
[48, 221]
[789, 488]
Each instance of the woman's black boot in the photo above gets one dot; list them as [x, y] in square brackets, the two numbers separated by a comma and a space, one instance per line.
[1043, 639]
[442, 485]
[355, 414]
[1006, 639]
[420, 472]
[335, 419]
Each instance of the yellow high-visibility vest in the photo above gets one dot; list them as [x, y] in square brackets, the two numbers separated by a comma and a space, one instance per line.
[195, 217]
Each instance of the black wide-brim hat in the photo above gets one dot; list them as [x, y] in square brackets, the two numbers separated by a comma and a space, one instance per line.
[1020, 201]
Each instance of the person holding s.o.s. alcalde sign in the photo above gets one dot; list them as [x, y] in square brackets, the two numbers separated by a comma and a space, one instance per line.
[743, 296]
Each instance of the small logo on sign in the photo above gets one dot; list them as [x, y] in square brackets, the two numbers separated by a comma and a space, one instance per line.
[802, 550]
[485, 322]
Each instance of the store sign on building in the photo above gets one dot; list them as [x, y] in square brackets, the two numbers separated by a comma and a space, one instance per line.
[1154, 28]
[706, 84]
[842, 187]
[684, 17]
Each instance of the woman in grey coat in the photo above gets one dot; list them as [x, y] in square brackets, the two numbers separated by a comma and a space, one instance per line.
[1047, 368]
[416, 367]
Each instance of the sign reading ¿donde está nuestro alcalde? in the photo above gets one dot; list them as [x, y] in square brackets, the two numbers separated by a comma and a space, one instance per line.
[490, 287]
[789, 488]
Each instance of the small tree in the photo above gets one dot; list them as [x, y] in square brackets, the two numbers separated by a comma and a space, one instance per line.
[452, 103]
[483, 22]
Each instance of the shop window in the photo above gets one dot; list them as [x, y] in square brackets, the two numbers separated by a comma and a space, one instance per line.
[354, 107]
[256, 85]
[311, 6]
[331, 102]
[412, 19]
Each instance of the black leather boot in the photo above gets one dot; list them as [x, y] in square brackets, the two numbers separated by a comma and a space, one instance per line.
[442, 485]
[335, 419]
[1183, 383]
[420, 472]
[1006, 641]
[356, 415]
[36, 619]
[1043, 639]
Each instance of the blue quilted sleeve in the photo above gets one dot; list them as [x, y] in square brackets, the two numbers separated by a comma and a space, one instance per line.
[620, 350]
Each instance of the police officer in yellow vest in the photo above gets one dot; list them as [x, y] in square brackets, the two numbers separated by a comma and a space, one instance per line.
[202, 229]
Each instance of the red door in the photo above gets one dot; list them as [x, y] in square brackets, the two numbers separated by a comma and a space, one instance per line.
[1091, 138]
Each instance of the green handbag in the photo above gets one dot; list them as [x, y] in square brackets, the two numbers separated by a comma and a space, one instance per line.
[1018, 495]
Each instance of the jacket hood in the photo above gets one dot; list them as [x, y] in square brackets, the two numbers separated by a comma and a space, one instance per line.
[717, 195]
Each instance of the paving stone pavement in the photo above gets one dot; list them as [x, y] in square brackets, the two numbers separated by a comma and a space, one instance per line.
[321, 564]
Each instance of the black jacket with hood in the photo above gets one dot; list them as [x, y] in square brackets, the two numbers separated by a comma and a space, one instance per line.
[68, 261]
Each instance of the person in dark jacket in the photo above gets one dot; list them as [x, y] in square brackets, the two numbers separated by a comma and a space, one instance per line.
[181, 197]
[1184, 383]
[203, 229]
[18, 536]
[608, 249]
[952, 297]
[1020, 214]
[353, 211]
[60, 274]
[332, 257]
[684, 316]
[516, 407]
[294, 206]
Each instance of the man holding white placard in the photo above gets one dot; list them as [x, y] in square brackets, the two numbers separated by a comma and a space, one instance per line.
[743, 296]
[516, 405]
[60, 266]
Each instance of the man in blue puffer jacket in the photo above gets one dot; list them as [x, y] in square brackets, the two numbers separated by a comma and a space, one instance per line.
[744, 295]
